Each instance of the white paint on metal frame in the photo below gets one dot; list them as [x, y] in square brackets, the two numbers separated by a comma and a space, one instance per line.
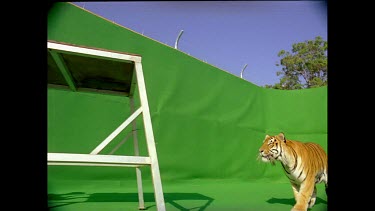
[94, 164]
[150, 139]
[136, 153]
[86, 158]
[93, 52]
[120, 144]
[93, 159]
[106, 141]
[63, 69]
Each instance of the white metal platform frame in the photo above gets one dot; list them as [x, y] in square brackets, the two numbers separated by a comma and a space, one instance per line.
[93, 158]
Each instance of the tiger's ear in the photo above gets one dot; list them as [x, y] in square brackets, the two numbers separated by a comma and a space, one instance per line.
[281, 136]
[267, 136]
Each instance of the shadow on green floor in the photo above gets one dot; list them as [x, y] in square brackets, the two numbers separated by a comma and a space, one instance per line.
[59, 200]
[291, 201]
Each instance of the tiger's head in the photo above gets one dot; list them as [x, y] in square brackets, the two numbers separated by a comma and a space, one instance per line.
[271, 150]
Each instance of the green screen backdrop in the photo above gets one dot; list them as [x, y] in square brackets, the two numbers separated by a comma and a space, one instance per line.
[208, 126]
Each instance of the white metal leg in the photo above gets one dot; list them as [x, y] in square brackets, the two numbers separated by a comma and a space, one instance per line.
[158, 190]
[136, 153]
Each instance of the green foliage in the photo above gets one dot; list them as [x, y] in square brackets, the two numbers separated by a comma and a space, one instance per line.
[304, 67]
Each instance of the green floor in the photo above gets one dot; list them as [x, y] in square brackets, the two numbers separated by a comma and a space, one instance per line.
[226, 195]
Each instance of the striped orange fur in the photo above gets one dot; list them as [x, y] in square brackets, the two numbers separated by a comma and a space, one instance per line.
[305, 165]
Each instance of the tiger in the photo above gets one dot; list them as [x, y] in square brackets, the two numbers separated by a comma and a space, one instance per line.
[305, 165]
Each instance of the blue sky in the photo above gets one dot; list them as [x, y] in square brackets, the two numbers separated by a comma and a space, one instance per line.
[225, 34]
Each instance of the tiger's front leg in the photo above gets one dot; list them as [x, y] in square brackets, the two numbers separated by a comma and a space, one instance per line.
[295, 188]
[304, 195]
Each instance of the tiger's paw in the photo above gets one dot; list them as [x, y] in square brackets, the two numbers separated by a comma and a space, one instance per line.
[311, 202]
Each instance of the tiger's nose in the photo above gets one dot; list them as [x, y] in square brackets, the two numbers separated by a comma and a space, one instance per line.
[261, 150]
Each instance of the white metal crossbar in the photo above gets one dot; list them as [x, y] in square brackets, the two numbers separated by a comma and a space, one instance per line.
[103, 159]
[94, 159]
[90, 52]
[116, 132]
